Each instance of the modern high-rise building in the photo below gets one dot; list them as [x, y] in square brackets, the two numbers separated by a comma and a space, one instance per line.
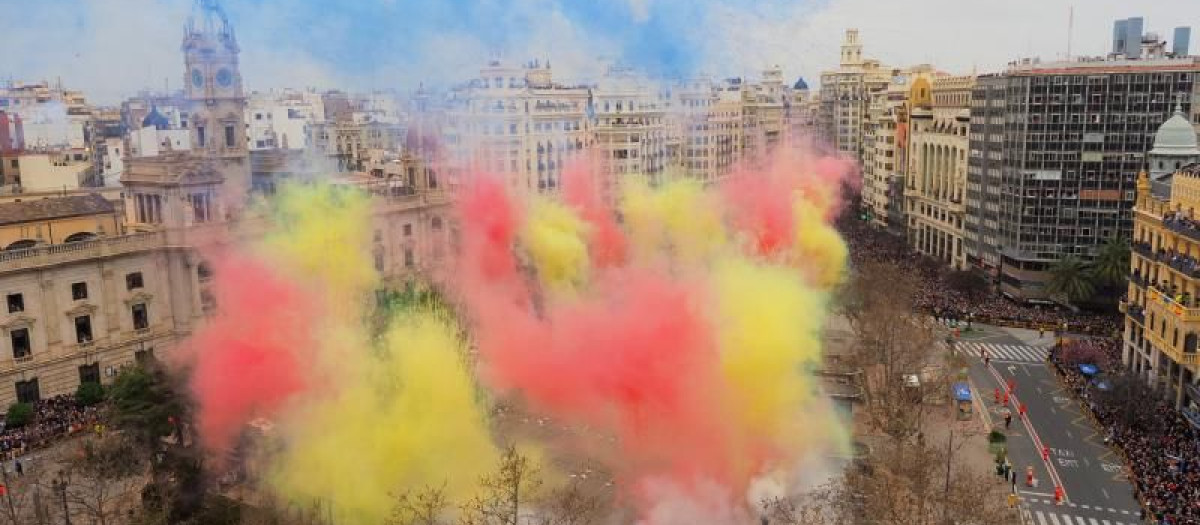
[1055, 149]
[1181, 42]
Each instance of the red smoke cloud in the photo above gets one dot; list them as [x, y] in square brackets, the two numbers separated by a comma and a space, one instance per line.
[254, 350]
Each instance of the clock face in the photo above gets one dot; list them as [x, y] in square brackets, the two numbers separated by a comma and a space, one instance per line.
[224, 77]
[197, 78]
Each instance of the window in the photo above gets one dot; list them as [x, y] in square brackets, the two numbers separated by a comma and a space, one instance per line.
[379, 260]
[21, 346]
[27, 391]
[408, 230]
[83, 329]
[203, 272]
[200, 136]
[89, 373]
[79, 291]
[14, 164]
[133, 281]
[16, 303]
[229, 136]
[409, 258]
[437, 223]
[141, 317]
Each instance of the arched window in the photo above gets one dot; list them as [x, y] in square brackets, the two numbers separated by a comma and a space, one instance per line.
[22, 244]
[80, 237]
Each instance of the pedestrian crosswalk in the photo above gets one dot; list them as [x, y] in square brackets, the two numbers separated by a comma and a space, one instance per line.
[999, 352]
[1038, 517]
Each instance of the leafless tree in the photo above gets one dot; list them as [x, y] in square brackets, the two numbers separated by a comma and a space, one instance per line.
[921, 484]
[572, 505]
[505, 493]
[426, 507]
[101, 483]
[896, 348]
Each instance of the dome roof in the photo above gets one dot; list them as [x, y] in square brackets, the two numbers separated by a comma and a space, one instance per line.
[800, 84]
[1176, 136]
[156, 119]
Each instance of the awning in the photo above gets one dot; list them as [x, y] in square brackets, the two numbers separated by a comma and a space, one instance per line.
[962, 392]
[1088, 370]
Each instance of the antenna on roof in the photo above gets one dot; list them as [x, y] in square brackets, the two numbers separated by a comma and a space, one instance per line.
[1070, 29]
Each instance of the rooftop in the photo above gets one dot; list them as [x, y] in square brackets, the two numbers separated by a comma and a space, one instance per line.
[54, 208]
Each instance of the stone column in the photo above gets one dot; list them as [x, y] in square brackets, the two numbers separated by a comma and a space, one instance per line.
[53, 314]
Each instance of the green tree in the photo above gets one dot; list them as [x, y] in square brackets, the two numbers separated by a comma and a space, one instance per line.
[89, 393]
[146, 405]
[19, 415]
[1112, 263]
[1070, 278]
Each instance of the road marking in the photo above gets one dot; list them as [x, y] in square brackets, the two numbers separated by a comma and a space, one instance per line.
[1046, 494]
[1053, 518]
[1105, 493]
[1069, 434]
[1037, 441]
[1053, 411]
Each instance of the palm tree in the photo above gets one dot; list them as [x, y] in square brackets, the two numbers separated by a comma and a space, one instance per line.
[1069, 278]
[1112, 263]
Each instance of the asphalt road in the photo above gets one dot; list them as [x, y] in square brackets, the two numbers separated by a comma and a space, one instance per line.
[1091, 475]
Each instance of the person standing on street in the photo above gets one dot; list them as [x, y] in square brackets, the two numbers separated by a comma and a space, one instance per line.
[1007, 419]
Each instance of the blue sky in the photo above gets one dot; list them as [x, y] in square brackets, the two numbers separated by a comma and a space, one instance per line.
[112, 48]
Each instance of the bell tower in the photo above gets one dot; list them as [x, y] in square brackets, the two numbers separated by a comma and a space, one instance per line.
[215, 97]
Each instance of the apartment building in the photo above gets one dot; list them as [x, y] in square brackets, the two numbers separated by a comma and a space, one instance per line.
[1054, 152]
[936, 178]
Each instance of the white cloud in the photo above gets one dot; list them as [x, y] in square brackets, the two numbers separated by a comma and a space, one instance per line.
[640, 10]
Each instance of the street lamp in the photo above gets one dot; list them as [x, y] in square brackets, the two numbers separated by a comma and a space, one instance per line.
[60, 486]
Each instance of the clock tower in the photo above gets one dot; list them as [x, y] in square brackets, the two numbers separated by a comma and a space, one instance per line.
[215, 99]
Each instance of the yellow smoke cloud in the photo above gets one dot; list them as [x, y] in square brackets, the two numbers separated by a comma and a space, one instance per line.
[556, 239]
[818, 246]
[680, 217]
[411, 421]
[769, 324]
[385, 417]
[323, 236]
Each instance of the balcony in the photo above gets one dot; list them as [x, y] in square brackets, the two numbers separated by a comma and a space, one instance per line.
[1170, 305]
[1135, 312]
[40, 256]
[1173, 353]
[1185, 227]
[1136, 279]
[1143, 249]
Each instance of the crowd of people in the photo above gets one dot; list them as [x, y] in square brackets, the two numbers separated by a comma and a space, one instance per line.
[1160, 446]
[937, 295]
[53, 419]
